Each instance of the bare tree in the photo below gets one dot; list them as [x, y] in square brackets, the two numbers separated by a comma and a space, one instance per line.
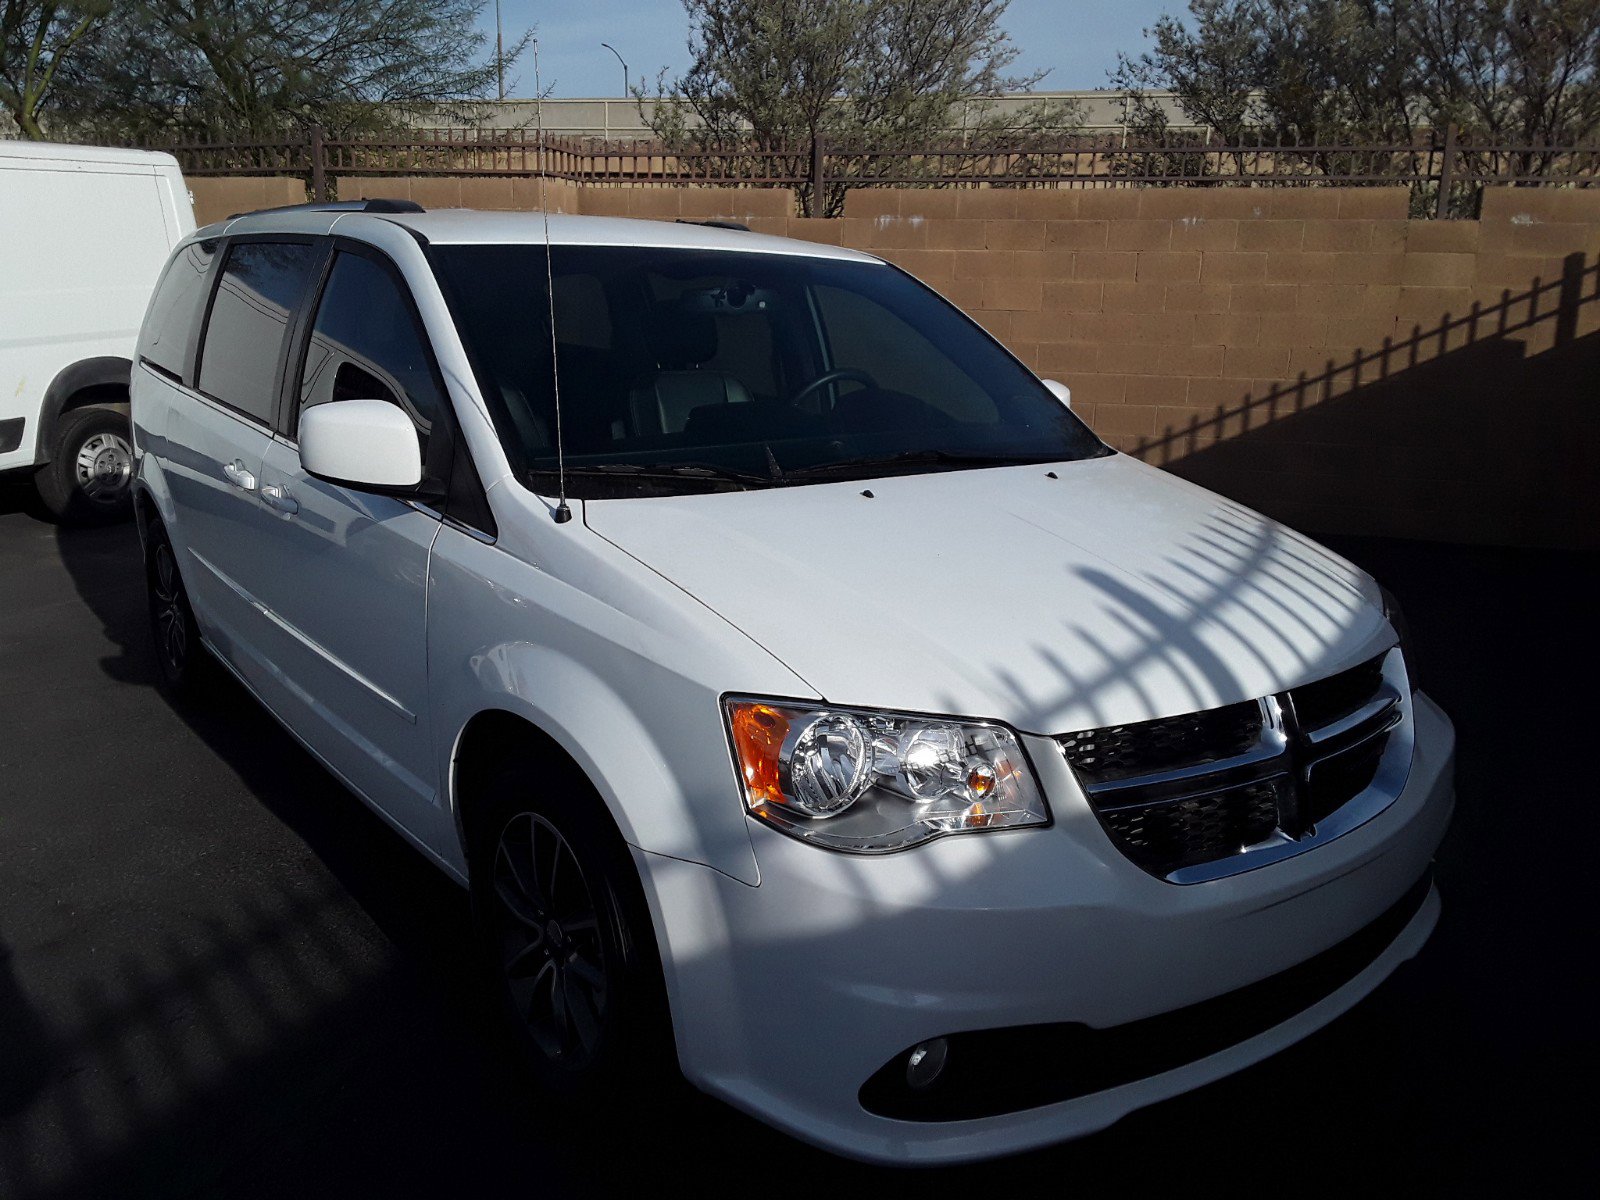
[1525, 72]
[1214, 69]
[878, 77]
[260, 68]
[37, 38]
[1298, 70]
[1340, 71]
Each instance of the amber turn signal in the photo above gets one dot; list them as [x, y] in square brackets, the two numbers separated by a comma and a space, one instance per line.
[758, 733]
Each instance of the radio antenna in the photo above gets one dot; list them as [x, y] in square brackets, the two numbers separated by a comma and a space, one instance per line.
[563, 514]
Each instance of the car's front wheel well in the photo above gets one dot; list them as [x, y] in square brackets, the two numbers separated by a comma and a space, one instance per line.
[491, 740]
[521, 798]
[145, 512]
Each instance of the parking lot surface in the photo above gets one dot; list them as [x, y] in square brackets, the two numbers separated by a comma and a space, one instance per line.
[220, 974]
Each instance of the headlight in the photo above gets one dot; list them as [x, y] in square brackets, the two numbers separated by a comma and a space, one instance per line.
[870, 782]
[1397, 620]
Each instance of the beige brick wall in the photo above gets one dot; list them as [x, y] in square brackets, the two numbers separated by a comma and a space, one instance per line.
[1312, 352]
[216, 199]
[493, 193]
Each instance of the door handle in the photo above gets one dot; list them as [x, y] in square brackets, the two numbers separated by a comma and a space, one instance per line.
[239, 476]
[277, 497]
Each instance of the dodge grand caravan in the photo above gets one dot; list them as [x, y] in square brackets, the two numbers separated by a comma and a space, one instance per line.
[808, 698]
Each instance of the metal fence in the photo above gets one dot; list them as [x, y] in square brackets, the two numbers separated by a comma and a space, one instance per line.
[1445, 171]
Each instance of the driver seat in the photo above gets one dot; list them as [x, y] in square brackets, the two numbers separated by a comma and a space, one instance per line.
[681, 343]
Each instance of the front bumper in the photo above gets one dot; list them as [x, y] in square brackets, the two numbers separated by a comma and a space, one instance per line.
[787, 997]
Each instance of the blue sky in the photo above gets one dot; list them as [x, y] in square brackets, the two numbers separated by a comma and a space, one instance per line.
[1076, 40]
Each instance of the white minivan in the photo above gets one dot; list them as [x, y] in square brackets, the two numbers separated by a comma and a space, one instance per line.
[809, 699]
[84, 233]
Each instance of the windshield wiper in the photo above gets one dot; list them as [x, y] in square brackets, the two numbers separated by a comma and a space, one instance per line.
[915, 458]
[665, 471]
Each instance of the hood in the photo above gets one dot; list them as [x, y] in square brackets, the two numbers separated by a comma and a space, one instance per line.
[1114, 592]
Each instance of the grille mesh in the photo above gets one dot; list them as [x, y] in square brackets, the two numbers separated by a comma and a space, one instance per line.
[1165, 836]
[1123, 751]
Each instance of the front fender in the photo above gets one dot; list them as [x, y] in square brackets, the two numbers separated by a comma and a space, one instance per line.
[687, 810]
[623, 670]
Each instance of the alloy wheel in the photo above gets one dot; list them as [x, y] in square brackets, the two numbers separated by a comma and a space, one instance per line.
[167, 610]
[552, 955]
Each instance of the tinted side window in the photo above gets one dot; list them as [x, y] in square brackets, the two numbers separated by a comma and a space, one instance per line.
[365, 345]
[256, 297]
[176, 309]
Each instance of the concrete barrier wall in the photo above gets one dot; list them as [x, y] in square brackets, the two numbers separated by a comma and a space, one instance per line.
[1311, 352]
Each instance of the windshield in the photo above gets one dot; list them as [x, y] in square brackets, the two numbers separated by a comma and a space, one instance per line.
[696, 370]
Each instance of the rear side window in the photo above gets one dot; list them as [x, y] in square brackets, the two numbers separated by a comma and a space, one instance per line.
[366, 345]
[261, 284]
[176, 309]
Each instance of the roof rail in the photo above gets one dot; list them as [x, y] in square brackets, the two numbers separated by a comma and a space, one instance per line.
[369, 206]
[716, 223]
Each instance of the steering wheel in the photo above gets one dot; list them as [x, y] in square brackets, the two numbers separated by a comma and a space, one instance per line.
[833, 376]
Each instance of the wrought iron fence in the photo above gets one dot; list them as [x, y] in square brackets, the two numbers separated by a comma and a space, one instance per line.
[1445, 171]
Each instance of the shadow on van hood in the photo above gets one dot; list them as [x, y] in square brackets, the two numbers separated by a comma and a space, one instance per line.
[1113, 593]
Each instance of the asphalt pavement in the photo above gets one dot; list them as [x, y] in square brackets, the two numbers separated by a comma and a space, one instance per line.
[221, 975]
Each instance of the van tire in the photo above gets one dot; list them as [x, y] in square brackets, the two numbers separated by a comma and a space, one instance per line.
[181, 659]
[89, 478]
[629, 1051]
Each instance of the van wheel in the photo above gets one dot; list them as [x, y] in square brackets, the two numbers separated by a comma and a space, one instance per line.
[179, 655]
[89, 478]
[564, 928]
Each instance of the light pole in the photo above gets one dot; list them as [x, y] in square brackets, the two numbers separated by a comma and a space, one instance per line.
[624, 63]
[607, 103]
[499, 54]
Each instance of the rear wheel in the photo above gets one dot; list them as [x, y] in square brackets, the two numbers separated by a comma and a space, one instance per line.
[565, 931]
[179, 654]
[89, 478]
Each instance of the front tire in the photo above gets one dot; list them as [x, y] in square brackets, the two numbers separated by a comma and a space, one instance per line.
[89, 478]
[564, 928]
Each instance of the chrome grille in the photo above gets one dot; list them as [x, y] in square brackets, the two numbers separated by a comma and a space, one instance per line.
[1205, 794]
[1329, 700]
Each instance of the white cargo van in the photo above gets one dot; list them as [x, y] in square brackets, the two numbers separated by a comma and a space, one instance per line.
[84, 232]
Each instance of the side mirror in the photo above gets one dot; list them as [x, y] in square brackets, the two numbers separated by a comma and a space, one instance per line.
[367, 444]
[1060, 391]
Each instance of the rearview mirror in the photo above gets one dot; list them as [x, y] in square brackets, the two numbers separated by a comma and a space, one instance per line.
[367, 444]
[1060, 391]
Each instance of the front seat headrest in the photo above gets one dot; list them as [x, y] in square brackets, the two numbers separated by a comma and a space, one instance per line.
[681, 340]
